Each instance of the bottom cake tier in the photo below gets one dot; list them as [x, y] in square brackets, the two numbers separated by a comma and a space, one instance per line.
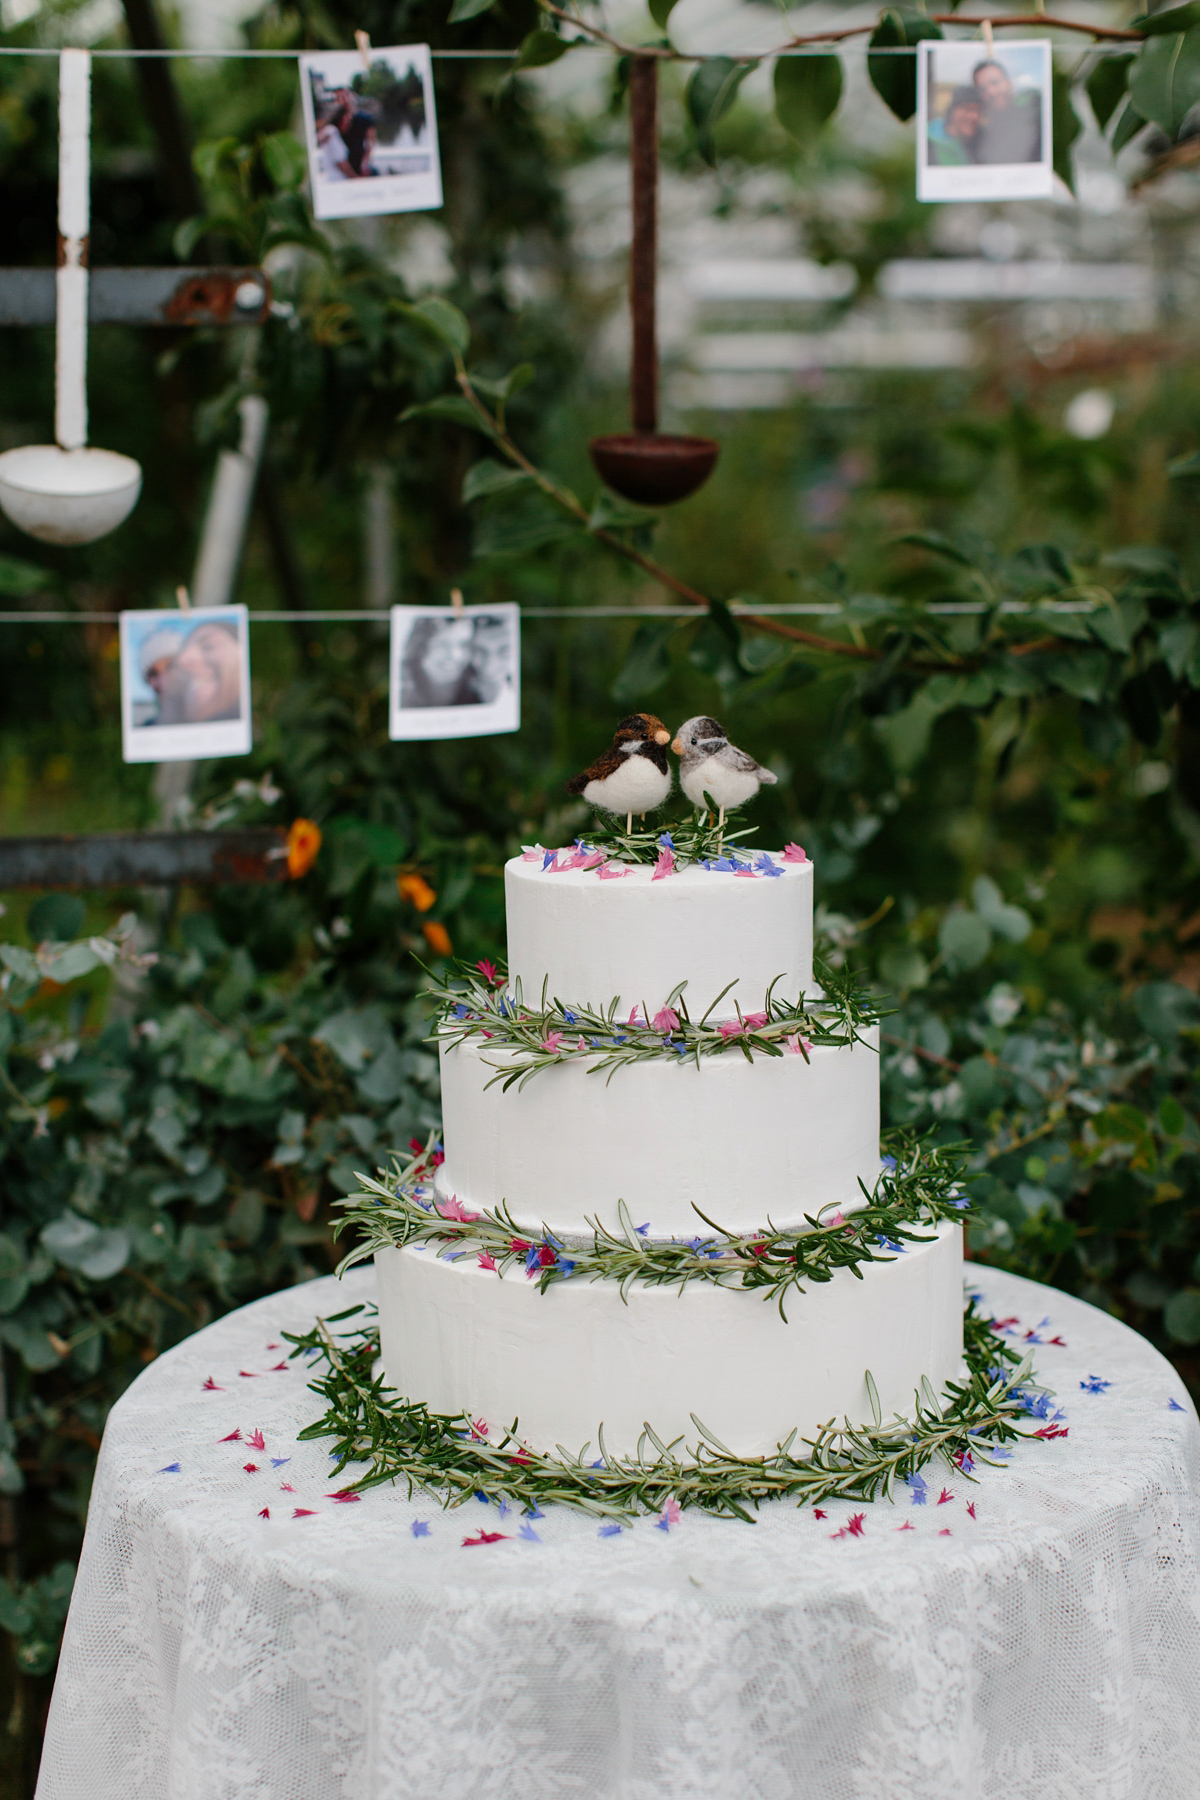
[562, 1363]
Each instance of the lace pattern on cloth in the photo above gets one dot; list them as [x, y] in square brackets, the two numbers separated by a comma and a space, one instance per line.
[241, 1632]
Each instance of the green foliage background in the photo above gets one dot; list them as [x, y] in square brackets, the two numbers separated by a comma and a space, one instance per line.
[1006, 838]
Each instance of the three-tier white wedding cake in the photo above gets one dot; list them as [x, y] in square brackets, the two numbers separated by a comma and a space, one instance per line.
[742, 1143]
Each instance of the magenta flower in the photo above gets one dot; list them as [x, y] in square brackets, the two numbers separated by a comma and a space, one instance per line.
[633, 1018]
[485, 1537]
[256, 1440]
[479, 1428]
[488, 971]
[582, 1044]
[210, 1387]
[755, 1021]
[664, 866]
[552, 1041]
[794, 853]
[667, 1019]
[486, 1261]
[731, 1028]
[453, 1208]
[593, 861]
[610, 872]
[797, 1046]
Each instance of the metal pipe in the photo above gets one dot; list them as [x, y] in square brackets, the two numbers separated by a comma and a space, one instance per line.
[71, 281]
[643, 260]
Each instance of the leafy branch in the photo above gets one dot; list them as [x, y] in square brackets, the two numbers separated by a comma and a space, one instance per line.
[919, 1190]
[454, 1457]
[479, 1007]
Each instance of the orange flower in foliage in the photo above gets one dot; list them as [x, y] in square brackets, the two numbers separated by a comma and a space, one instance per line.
[416, 889]
[438, 938]
[303, 842]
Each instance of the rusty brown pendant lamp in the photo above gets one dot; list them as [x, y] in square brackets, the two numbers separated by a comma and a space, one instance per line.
[645, 465]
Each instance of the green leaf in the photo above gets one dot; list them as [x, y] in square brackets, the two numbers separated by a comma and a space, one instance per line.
[1181, 1316]
[56, 916]
[1011, 922]
[710, 93]
[1171, 1116]
[285, 159]
[660, 12]
[530, 524]
[452, 409]
[462, 10]
[1064, 125]
[445, 321]
[1128, 124]
[939, 545]
[17, 577]
[540, 48]
[1174, 18]
[489, 477]
[78, 1244]
[894, 78]
[807, 91]
[964, 940]
[611, 513]
[503, 387]
[208, 157]
[903, 968]
[1107, 85]
[1165, 85]
[648, 663]
[1166, 1008]
[355, 1035]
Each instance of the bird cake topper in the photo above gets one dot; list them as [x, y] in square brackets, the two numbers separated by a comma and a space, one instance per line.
[714, 771]
[633, 776]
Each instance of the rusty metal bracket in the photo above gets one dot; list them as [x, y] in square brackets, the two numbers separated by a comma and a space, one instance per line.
[144, 859]
[174, 296]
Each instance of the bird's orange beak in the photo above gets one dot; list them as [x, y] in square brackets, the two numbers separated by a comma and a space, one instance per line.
[662, 737]
[677, 747]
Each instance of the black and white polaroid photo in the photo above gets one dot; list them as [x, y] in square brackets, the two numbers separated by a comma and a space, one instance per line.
[455, 673]
[185, 684]
[371, 131]
[983, 121]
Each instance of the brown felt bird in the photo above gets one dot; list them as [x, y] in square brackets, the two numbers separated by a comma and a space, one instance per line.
[634, 776]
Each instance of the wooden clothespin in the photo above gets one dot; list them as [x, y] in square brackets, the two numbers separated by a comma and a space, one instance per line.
[364, 49]
[456, 600]
[183, 598]
[986, 28]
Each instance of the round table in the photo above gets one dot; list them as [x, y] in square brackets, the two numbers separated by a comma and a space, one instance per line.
[239, 1632]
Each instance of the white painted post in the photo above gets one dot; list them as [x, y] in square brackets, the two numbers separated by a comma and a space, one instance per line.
[229, 508]
[74, 221]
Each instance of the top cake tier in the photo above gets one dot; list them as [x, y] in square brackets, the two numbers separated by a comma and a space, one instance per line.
[634, 939]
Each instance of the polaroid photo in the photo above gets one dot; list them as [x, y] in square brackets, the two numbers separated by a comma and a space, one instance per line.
[185, 684]
[455, 674]
[371, 132]
[983, 121]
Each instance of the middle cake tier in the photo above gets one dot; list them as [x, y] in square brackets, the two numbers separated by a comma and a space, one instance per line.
[773, 1138]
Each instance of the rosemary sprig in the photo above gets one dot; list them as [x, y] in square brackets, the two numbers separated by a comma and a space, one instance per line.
[478, 1005]
[920, 1189]
[401, 1440]
[691, 840]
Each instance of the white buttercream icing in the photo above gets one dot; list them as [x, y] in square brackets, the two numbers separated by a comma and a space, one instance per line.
[562, 1363]
[775, 1138]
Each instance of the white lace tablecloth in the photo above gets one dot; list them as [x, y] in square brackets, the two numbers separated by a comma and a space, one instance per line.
[240, 1633]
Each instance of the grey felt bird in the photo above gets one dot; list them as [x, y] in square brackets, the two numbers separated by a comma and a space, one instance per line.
[711, 769]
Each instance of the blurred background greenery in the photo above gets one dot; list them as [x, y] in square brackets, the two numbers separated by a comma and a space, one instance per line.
[1012, 854]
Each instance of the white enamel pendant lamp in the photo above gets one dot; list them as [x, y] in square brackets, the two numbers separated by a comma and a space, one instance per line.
[67, 492]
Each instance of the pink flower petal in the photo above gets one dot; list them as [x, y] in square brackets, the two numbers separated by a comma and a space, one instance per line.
[486, 1261]
[611, 873]
[794, 853]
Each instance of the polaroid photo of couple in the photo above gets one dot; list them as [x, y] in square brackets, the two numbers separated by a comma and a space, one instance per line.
[983, 121]
[455, 673]
[371, 131]
[185, 684]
